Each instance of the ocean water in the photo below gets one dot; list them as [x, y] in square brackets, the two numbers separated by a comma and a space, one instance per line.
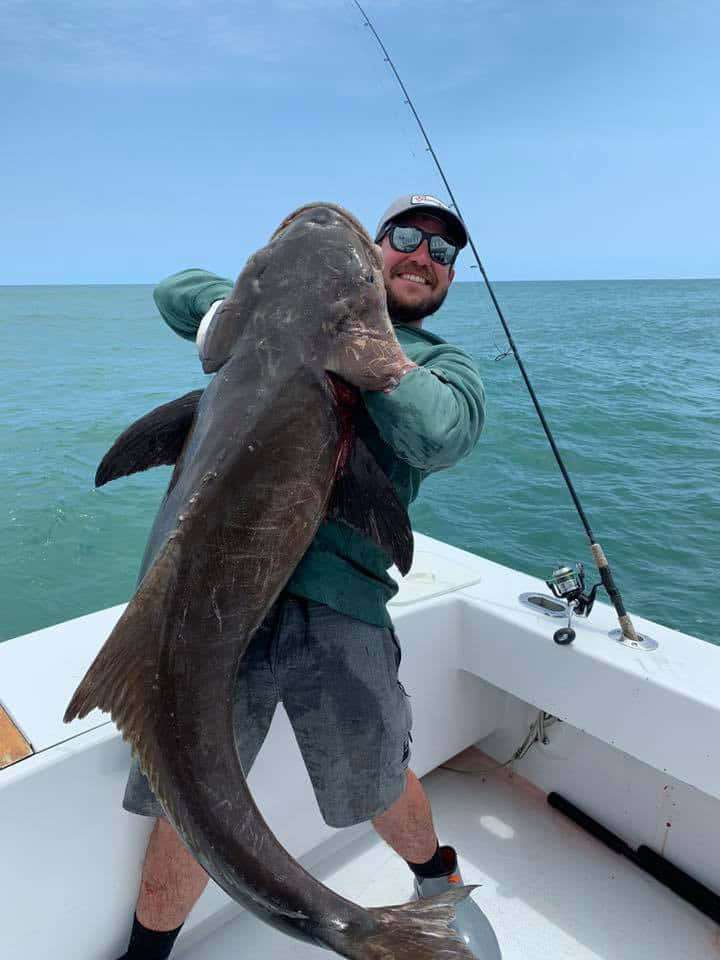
[628, 373]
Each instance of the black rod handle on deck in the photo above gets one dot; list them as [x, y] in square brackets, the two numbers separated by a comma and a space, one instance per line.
[597, 830]
[681, 883]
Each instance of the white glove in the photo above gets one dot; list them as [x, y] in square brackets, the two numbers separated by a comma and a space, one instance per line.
[204, 328]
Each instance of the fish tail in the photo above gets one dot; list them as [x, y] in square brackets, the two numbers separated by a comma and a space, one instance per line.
[420, 930]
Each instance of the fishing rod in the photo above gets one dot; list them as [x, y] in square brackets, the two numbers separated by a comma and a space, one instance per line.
[565, 583]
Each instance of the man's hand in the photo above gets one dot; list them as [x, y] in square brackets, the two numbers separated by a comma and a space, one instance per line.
[407, 366]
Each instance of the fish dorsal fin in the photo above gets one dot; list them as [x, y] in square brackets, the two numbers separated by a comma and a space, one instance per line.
[365, 499]
[152, 441]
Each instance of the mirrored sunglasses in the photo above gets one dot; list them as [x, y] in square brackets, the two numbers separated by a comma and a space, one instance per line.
[406, 239]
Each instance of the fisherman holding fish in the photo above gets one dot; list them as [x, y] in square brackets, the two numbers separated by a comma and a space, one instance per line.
[327, 649]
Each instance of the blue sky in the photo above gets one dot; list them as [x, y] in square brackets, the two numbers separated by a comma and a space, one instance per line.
[581, 139]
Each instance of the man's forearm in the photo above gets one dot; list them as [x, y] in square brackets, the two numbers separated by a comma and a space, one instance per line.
[432, 419]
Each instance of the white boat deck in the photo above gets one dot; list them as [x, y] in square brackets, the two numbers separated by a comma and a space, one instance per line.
[551, 891]
[637, 749]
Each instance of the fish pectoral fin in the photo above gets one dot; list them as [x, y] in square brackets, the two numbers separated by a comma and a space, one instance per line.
[154, 440]
[365, 499]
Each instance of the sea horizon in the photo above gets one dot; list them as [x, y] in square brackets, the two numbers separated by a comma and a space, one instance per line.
[150, 283]
[627, 372]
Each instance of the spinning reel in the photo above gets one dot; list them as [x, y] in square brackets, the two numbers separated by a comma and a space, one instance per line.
[569, 585]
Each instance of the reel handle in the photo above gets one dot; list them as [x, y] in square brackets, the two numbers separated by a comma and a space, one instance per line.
[564, 636]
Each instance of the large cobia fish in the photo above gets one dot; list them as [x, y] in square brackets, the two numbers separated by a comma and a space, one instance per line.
[262, 457]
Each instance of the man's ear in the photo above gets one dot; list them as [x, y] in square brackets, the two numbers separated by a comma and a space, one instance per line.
[451, 275]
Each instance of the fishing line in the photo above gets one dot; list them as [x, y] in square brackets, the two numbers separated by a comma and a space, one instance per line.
[628, 630]
[407, 130]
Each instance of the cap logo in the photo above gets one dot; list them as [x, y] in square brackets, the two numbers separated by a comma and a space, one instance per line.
[426, 198]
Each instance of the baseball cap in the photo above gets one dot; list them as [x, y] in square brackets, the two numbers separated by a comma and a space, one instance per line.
[424, 203]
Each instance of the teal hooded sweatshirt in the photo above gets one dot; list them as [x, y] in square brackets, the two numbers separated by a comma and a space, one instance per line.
[432, 419]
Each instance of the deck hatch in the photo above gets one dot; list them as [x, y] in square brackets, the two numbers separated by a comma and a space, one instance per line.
[13, 745]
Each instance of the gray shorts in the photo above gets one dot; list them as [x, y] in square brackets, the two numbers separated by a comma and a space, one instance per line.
[337, 678]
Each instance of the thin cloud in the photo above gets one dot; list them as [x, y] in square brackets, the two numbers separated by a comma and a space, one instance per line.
[164, 43]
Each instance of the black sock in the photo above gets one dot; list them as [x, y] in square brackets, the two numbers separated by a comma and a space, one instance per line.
[443, 861]
[150, 944]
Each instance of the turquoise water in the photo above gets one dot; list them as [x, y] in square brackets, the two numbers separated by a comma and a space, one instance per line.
[628, 373]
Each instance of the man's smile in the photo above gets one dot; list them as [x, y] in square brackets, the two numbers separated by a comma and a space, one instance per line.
[414, 276]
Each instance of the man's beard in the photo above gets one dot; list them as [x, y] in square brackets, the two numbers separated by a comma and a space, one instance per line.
[413, 313]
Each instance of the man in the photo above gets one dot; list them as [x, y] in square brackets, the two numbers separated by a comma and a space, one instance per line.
[333, 609]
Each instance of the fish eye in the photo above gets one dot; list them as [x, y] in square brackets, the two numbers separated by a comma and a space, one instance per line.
[369, 277]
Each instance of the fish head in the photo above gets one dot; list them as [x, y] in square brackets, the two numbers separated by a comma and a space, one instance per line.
[341, 291]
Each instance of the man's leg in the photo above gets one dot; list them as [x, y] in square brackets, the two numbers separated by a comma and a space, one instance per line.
[171, 880]
[339, 682]
[407, 826]
[352, 721]
[170, 886]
